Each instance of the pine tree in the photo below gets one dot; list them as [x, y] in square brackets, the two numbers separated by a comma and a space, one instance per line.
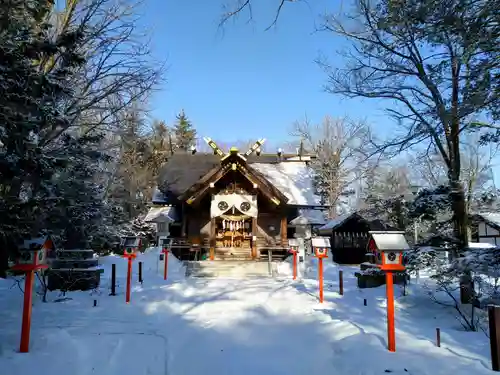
[185, 134]
[31, 106]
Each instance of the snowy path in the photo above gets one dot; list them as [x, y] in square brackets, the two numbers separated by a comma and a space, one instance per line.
[261, 326]
[225, 327]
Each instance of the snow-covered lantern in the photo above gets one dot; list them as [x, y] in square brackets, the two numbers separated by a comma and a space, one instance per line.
[33, 254]
[131, 246]
[293, 243]
[35, 251]
[321, 245]
[390, 246]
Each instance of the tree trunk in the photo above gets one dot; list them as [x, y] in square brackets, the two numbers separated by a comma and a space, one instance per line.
[462, 234]
[459, 215]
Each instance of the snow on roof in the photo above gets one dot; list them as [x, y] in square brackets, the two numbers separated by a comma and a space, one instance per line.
[481, 245]
[492, 217]
[332, 224]
[309, 216]
[293, 179]
[390, 241]
[161, 214]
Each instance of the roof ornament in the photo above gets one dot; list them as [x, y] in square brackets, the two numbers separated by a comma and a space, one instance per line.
[234, 150]
[255, 148]
[213, 146]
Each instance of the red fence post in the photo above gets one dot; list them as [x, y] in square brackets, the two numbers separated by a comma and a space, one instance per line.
[26, 325]
[391, 332]
[320, 279]
[294, 265]
[165, 265]
[129, 276]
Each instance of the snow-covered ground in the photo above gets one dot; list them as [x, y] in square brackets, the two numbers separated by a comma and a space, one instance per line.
[247, 326]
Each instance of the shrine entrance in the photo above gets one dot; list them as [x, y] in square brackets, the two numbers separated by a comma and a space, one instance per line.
[233, 214]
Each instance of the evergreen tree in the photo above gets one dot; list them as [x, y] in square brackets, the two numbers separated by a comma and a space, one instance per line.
[78, 213]
[185, 134]
[31, 105]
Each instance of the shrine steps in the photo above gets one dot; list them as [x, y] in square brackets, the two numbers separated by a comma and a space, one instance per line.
[233, 253]
[229, 269]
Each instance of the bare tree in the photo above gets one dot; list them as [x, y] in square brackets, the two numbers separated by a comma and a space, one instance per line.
[235, 8]
[341, 155]
[429, 61]
[119, 69]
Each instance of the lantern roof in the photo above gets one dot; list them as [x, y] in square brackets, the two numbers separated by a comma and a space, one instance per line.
[390, 240]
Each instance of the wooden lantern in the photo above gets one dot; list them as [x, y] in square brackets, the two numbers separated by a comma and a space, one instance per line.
[321, 246]
[293, 243]
[32, 257]
[390, 245]
[131, 246]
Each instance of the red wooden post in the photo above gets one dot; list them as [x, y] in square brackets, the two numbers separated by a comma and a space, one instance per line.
[320, 279]
[165, 264]
[391, 333]
[29, 271]
[26, 325]
[129, 277]
[294, 265]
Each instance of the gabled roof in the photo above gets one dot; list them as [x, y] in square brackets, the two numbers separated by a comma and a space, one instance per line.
[183, 170]
[238, 163]
[294, 179]
[373, 224]
[491, 218]
[308, 216]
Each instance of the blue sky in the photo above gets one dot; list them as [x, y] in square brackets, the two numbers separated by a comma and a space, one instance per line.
[246, 82]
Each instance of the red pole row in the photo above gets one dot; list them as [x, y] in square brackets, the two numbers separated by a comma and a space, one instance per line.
[391, 332]
[26, 325]
[295, 265]
[165, 264]
[129, 277]
[320, 279]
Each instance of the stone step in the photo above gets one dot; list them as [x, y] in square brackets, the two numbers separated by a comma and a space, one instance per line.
[233, 269]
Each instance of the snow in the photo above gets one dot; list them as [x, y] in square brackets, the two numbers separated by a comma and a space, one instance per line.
[309, 216]
[293, 179]
[492, 217]
[165, 213]
[390, 241]
[481, 245]
[220, 326]
[332, 224]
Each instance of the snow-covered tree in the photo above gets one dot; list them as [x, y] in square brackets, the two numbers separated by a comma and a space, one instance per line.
[341, 148]
[32, 102]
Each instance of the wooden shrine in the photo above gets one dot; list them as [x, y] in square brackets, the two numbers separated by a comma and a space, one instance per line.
[226, 206]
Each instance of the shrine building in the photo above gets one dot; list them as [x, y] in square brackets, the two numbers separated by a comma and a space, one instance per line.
[235, 205]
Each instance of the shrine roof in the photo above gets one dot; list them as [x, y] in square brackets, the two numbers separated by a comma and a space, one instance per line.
[293, 178]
